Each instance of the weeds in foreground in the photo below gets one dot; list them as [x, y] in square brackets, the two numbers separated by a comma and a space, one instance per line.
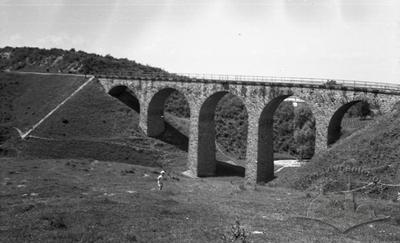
[236, 234]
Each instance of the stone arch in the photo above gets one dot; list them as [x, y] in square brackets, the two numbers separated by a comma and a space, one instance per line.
[155, 111]
[265, 147]
[126, 96]
[206, 155]
[335, 123]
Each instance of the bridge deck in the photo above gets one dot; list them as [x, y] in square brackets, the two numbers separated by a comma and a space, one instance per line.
[367, 86]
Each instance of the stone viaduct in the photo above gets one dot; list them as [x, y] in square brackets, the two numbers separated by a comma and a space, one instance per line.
[328, 99]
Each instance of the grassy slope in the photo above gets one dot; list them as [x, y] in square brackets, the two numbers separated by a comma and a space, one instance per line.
[26, 98]
[91, 114]
[351, 125]
[375, 148]
[101, 127]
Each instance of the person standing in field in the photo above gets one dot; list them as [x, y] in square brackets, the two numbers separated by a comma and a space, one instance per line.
[160, 179]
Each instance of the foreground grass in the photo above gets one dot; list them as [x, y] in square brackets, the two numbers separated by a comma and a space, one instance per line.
[72, 200]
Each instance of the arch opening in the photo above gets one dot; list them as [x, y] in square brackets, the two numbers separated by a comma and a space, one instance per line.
[126, 96]
[349, 118]
[168, 118]
[286, 131]
[222, 136]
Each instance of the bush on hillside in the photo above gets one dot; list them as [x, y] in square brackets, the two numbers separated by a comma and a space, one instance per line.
[58, 60]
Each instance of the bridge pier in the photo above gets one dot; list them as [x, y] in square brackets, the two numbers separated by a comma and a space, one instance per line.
[193, 141]
[143, 116]
[321, 133]
[252, 147]
[260, 151]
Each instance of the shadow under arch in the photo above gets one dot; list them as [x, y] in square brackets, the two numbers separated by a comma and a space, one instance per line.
[335, 123]
[162, 126]
[126, 96]
[206, 155]
[265, 148]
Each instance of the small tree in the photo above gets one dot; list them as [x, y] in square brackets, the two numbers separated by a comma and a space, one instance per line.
[304, 135]
[304, 139]
[361, 109]
[88, 65]
[365, 110]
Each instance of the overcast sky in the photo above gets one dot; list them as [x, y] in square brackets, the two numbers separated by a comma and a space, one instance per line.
[342, 39]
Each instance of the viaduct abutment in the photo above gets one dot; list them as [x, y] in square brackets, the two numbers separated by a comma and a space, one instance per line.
[261, 99]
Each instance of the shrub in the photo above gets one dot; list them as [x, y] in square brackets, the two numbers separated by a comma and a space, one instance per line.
[304, 135]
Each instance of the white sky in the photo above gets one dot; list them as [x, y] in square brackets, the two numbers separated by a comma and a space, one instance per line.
[342, 39]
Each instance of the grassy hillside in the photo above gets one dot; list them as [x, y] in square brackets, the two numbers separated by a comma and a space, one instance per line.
[370, 155]
[97, 126]
[25, 99]
[91, 114]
